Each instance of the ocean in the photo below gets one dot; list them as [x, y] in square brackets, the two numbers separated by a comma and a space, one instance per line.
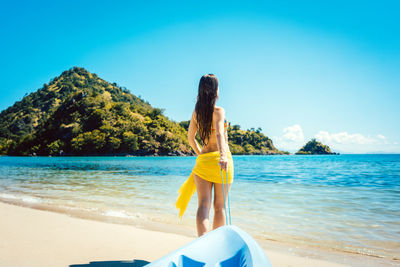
[346, 203]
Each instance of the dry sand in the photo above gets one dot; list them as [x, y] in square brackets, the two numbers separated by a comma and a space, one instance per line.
[30, 237]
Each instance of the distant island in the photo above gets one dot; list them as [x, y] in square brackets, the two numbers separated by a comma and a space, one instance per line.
[78, 113]
[314, 147]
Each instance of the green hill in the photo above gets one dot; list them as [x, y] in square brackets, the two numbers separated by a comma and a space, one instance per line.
[314, 147]
[78, 113]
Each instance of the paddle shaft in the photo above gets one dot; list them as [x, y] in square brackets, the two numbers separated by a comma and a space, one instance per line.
[227, 193]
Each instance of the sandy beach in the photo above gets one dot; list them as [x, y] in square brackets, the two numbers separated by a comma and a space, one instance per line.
[31, 237]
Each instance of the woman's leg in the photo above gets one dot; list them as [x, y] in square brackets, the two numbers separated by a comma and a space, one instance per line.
[204, 189]
[219, 208]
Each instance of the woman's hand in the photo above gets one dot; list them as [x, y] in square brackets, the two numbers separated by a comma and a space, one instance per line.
[223, 162]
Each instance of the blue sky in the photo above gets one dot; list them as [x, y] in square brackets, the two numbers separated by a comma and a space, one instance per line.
[297, 69]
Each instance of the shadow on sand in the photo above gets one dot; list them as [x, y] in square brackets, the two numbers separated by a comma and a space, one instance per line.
[134, 263]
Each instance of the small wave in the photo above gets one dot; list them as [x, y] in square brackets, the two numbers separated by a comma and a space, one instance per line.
[26, 199]
[8, 196]
[31, 199]
[114, 213]
[123, 214]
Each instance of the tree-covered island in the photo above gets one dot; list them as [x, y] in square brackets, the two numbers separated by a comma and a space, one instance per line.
[313, 147]
[78, 113]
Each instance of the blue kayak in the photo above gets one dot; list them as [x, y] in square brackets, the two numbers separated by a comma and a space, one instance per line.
[227, 246]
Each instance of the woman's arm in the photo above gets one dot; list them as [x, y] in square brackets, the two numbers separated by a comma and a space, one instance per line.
[219, 129]
[192, 134]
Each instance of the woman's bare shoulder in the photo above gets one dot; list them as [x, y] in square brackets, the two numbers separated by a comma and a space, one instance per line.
[219, 112]
[219, 109]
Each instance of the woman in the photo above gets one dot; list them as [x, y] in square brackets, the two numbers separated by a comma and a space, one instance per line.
[209, 121]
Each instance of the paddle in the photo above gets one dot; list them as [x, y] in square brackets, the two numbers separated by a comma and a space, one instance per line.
[229, 204]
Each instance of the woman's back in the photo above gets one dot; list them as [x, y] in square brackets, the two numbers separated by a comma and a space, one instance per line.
[212, 141]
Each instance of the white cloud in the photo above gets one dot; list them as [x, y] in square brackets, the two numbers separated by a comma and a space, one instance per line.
[381, 137]
[293, 133]
[346, 139]
[291, 140]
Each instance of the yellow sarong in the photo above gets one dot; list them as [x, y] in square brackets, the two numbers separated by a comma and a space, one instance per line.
[207, 168]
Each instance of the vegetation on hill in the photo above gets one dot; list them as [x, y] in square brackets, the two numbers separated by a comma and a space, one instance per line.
[78, 113]
[314, 147]
[250, 142]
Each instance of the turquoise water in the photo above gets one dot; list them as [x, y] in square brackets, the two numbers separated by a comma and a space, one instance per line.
[345, 202]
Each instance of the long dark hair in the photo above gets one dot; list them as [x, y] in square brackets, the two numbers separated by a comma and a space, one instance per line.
[206, 98]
